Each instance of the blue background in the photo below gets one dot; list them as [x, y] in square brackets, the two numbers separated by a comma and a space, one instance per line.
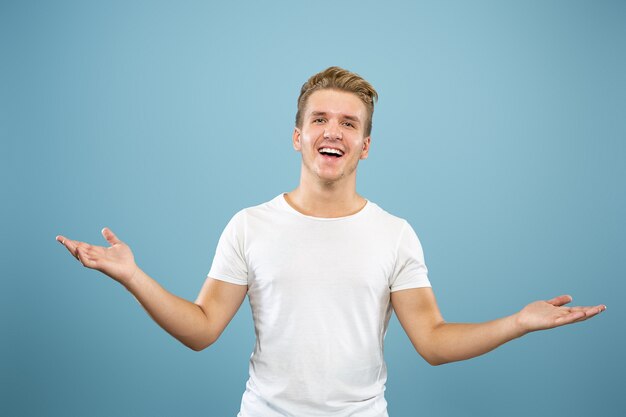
[499, 134]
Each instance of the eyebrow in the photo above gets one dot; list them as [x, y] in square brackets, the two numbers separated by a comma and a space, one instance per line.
[345, 116]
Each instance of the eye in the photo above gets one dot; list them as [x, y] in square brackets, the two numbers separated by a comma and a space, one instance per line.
[318, 120]
[349, 124]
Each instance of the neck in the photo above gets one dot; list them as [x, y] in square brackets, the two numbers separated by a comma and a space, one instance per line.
[319, 199]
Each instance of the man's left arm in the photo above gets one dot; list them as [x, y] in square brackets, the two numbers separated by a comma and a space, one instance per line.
[439, 342]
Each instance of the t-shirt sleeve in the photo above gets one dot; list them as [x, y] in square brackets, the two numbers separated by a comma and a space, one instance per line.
[410, 269]
[229, 263]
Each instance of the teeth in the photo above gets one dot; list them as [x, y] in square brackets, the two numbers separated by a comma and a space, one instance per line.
[331, 150]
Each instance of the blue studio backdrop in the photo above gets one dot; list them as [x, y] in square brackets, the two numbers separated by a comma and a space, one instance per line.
[499, 135]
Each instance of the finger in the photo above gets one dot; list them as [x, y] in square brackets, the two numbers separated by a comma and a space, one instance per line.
[579, 314]
[81, 249]
[587, 315]
[570, 318]
[78, 255]
[560, 300]
[593, 311]
[69, 244]
[110, 236]
[600, 308]
[87, 257]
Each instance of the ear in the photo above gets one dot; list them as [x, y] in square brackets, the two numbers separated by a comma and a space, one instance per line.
[296, 139]
[366, 147]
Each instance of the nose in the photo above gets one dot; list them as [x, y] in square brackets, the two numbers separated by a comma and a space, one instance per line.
[332, 131]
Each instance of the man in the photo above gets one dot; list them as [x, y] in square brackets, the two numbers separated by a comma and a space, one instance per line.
[323, 268]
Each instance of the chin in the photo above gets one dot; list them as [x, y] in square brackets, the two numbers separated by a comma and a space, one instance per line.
[329, 177]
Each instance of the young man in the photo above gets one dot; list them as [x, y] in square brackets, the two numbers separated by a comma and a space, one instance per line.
[323, 268]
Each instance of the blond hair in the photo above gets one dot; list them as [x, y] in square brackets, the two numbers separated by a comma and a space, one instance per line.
[336, 78]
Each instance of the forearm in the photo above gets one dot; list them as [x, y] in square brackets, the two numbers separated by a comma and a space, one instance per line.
[450, 342]
[439, 342]
[181, 318]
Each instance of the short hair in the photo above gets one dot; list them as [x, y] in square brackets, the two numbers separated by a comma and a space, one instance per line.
[336, 78]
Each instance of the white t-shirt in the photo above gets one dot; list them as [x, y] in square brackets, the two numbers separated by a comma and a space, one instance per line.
[319, 289]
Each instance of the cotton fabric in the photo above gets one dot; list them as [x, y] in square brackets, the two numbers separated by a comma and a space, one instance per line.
[319, 289]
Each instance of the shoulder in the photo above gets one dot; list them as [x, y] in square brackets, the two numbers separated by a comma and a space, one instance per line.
[378, 214]
[272, 205]
[260, 212]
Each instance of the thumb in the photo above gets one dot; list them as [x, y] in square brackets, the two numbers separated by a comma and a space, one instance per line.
[110, 236]
[560, 300]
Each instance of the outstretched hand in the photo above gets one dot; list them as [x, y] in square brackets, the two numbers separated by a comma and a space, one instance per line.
[542, 315]
[116, 261]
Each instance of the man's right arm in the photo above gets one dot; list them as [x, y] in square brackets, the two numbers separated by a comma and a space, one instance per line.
[196, 325]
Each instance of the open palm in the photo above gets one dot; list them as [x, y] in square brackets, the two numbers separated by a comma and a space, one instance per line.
[542, 315]
[116, 261]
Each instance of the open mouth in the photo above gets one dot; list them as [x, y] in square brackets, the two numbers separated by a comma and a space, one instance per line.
[332, 152]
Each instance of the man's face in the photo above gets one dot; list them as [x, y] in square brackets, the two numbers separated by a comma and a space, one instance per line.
[331, 138]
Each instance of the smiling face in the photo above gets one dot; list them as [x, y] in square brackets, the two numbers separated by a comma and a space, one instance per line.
[332, 136]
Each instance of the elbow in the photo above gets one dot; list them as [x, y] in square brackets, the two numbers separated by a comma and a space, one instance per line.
[198, 345]
[197, 348]
[433, 359]
[432, 352]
